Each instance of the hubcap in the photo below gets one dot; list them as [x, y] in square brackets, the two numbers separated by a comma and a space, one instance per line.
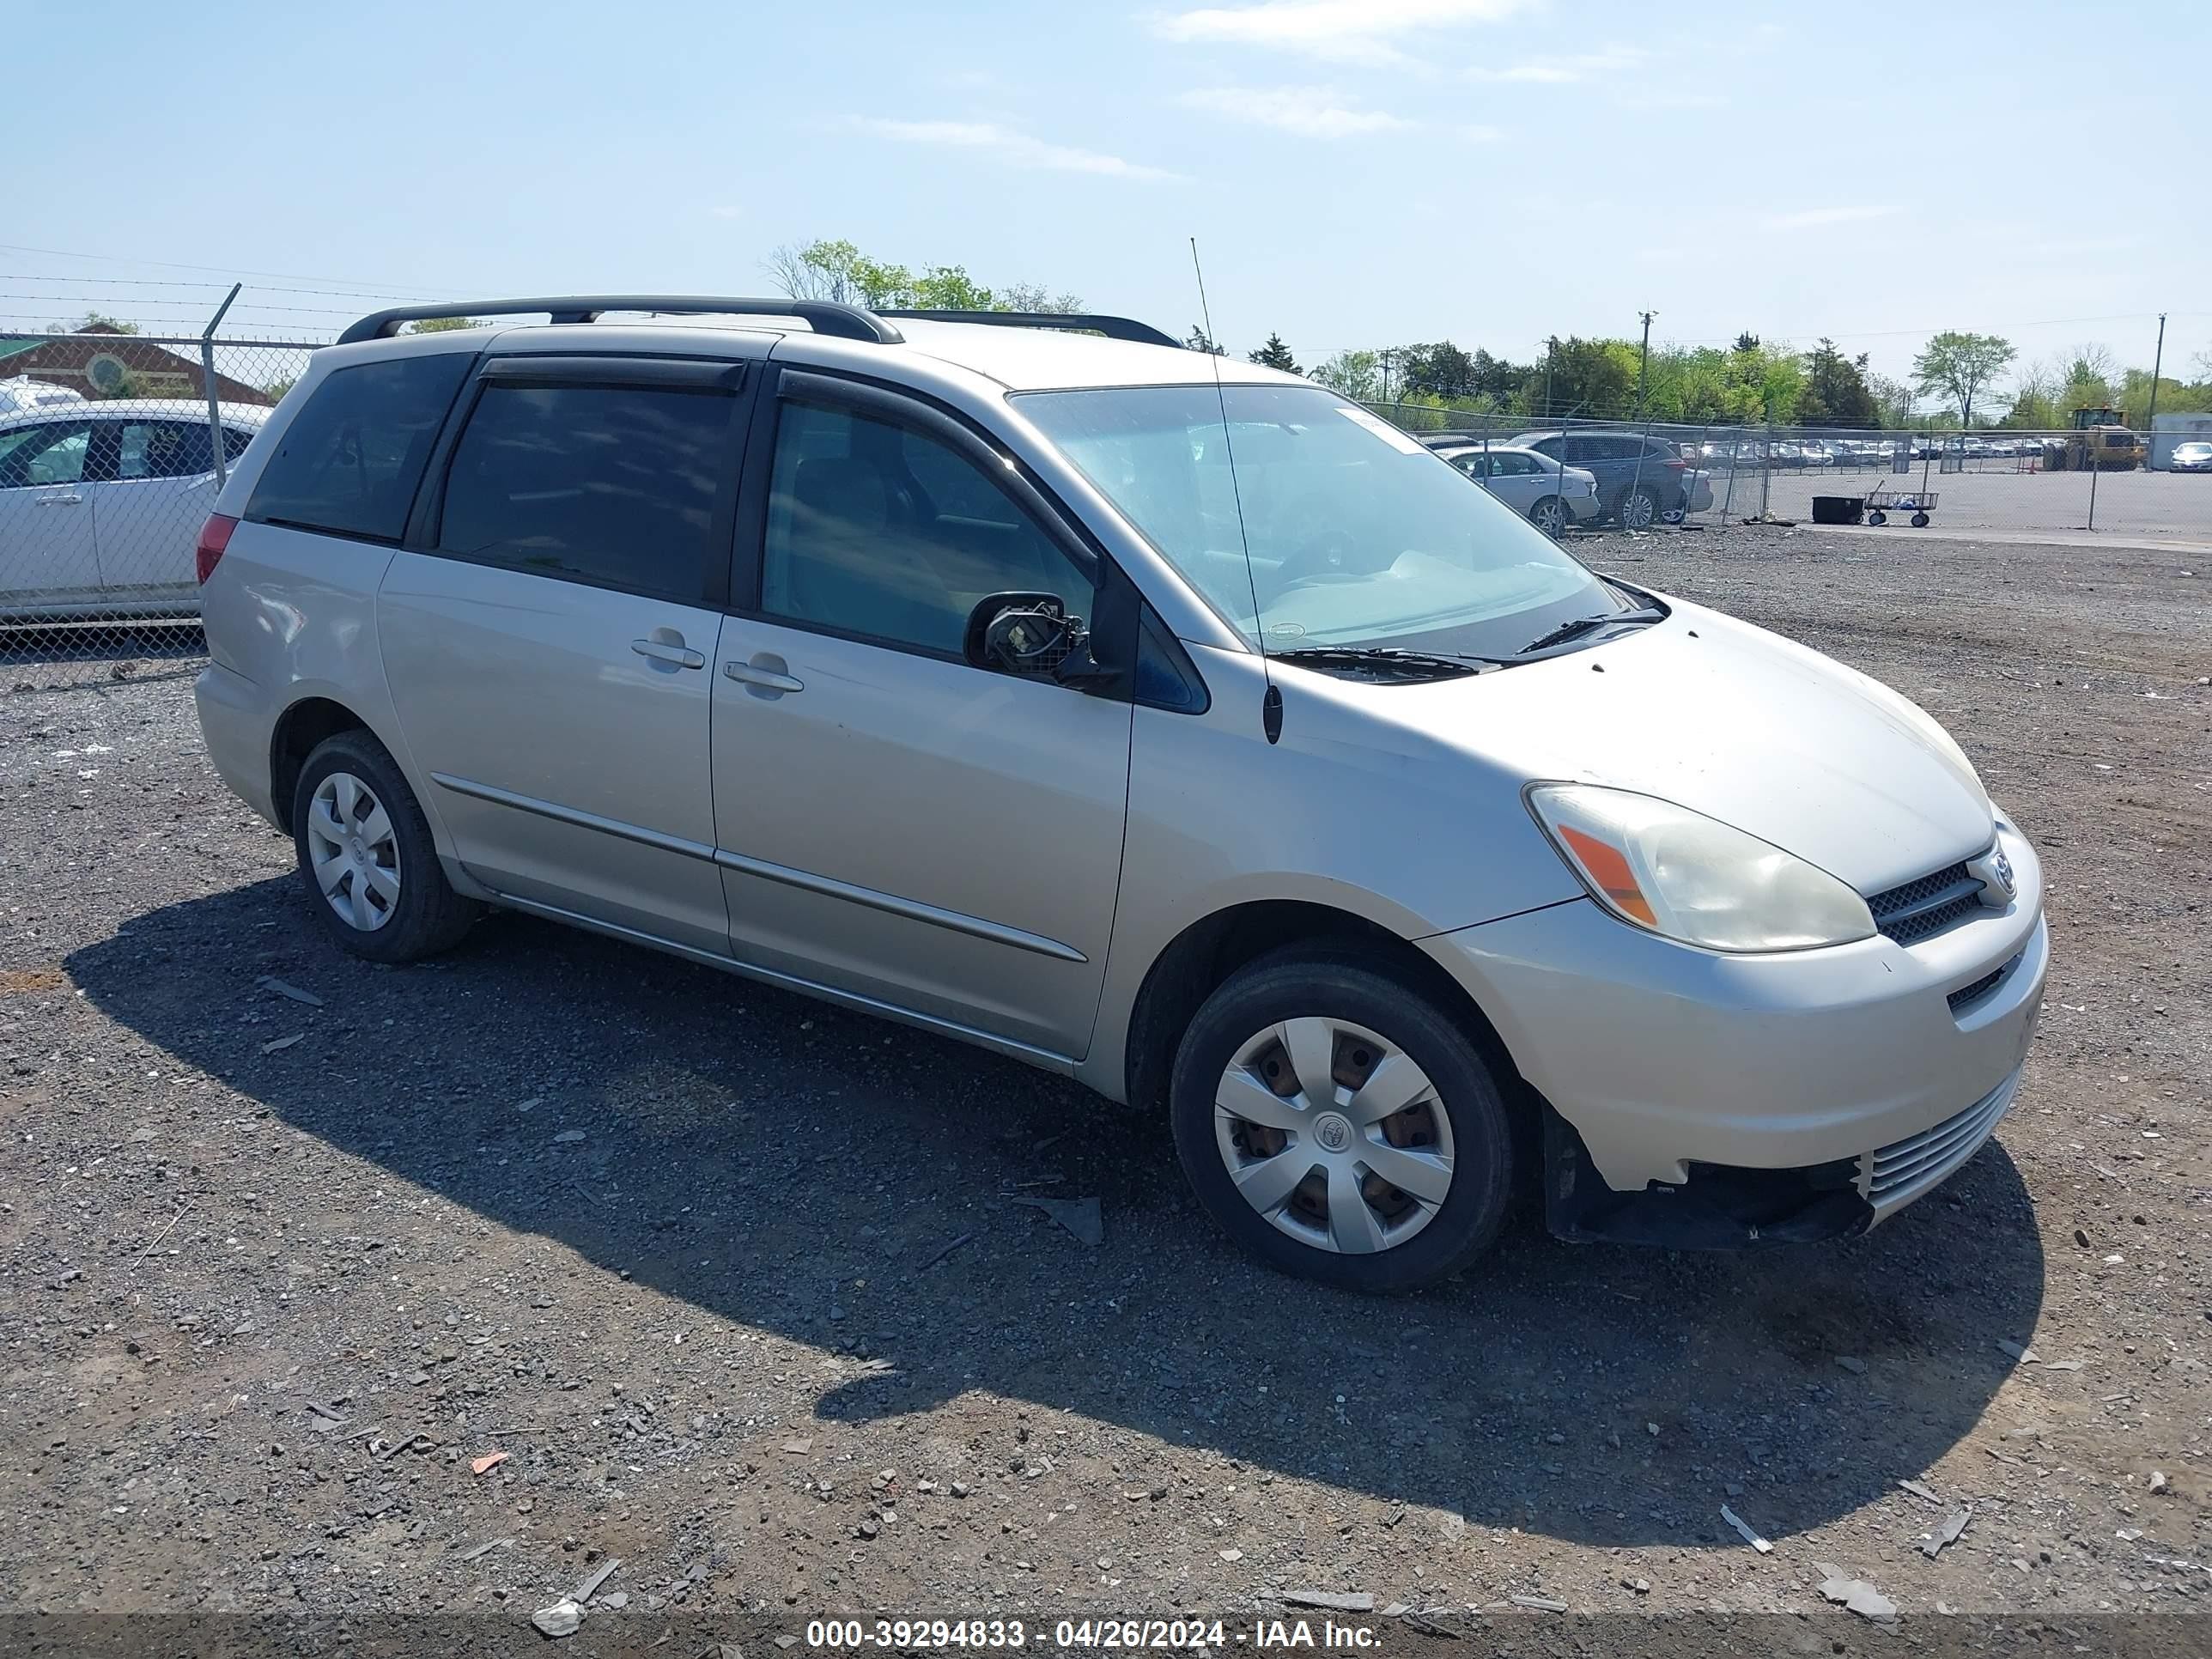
[1550, 517]
[1638, 511]
[352, 851]
[1332, 1132]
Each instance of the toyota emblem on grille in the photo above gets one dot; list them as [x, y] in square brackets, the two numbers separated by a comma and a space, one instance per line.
[1994, 870]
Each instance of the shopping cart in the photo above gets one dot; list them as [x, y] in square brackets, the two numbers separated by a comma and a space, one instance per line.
[1883, 500]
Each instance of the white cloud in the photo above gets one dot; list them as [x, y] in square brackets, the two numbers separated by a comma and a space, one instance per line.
[1313, 112]
[1564, 68]
[1015, 148]
[1349, 31]
[1813, 218]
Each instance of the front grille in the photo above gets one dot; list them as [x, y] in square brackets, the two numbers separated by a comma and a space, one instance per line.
[1904, 1169]
[1922, 909]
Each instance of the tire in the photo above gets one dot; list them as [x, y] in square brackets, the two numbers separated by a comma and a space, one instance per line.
[1638, 509]
[1877, 516]
[354, 819]
[1551, 516]
[1454, 1124]
[1919, 520]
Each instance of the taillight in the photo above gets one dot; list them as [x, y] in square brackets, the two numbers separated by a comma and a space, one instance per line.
[1677, 465]
[215, 536]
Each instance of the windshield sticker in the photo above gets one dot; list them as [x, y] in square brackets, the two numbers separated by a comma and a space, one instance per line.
[1381, 429]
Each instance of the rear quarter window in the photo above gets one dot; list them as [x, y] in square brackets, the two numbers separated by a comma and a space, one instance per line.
[349, 461]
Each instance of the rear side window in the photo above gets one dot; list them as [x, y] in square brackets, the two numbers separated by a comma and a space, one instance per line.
[349, 461]
[615, 486]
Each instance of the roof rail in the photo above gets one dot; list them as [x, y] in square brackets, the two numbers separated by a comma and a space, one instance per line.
[823, 316]
[1113, 328]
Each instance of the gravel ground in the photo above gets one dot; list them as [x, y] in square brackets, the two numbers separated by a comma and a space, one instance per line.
[746, 1290]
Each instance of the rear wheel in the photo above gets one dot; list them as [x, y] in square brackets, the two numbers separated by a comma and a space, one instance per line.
[1340, 1125]
[1637, 509]
[1919, 520]
[366, 856]
[1877, 516]
[1549, 515]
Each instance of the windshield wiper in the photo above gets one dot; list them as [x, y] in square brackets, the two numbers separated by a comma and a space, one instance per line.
[1385, 658]
[1582, 625]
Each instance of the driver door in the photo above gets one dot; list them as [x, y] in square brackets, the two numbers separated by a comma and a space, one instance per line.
[893, 823]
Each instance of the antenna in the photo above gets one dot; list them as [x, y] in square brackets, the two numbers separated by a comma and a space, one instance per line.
[1270, 706]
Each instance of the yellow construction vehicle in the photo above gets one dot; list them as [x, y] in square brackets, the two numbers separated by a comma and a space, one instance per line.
[2101, 438]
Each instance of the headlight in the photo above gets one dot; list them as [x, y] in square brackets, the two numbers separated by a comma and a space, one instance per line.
[1690, 877]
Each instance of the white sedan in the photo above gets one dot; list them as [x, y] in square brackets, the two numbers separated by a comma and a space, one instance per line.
[100, 503]
[1530, 482]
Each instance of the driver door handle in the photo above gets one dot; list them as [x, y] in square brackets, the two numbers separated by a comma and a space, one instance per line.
[59, 500]
[768, 679]
[662, 651]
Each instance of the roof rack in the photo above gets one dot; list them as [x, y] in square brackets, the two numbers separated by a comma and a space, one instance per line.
[823, 316]
[1113, 328]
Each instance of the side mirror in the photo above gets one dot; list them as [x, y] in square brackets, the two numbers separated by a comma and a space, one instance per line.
[1030, 635]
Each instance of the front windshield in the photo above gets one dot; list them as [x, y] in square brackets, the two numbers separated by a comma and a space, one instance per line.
[1357, 535]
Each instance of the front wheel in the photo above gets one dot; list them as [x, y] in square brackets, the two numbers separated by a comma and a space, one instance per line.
[1638, 508]
[1919, 520]
[1549, 515]
[1340, 1125]
[1877, 516]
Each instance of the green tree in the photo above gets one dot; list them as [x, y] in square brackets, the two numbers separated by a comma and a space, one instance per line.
[1354, 374]
[950, 287]
[441, 324]
[1581, 377]
[1275, 355]
[1199, 340]
[1835, 392]
[1961, 364]
[94, 321]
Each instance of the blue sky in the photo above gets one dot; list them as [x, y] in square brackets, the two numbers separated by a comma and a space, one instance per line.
[1357, 171]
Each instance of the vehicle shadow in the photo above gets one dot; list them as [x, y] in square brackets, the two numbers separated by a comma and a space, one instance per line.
[856, 1185]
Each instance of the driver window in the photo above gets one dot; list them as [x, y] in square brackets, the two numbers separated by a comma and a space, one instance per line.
[877, 531]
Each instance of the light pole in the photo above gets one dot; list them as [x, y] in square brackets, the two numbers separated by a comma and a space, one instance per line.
[1643, 362]
[2157, 362]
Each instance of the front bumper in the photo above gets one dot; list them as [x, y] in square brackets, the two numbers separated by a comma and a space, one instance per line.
[1848, 1064]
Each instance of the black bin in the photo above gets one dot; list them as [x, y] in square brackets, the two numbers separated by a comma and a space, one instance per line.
[1838, 509]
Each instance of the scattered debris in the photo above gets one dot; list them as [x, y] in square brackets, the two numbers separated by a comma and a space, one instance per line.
[1920, 1491]
[283, 1043]
[1079, 1215]
[1947, 1534]
[1641, 1586]
[1232, 1555]
[487, 1463]
[1855, 1594]
[2159, 1483]
[270, 983]
[1328, 1600]
[164, 1233]
[567, 1137]
[799, 1446]
[2021, 1354]
[601, 1574]
[559, 1619]
[939, 1254]
[486, 1547]
[1542, 1603]
[2063, 1365]
[1857, 1367]
[1744, 1529]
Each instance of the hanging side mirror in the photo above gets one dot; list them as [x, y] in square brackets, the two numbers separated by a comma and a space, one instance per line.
[1031, 636]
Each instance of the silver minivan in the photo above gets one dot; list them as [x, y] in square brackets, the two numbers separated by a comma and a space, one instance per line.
[1160, 720]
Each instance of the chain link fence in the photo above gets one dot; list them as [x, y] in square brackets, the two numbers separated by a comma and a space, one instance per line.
[114, 445]
[1652, 475]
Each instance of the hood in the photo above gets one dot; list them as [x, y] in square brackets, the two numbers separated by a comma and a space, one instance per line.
[1736, 723]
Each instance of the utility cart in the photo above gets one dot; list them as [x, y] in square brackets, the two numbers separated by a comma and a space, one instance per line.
[1883, 500]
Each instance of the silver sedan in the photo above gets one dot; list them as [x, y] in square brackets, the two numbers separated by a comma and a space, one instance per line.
[1532, 483]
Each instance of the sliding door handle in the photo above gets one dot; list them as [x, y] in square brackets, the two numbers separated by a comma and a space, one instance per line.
[766, 679]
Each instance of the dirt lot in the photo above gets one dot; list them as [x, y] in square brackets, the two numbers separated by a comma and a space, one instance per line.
[744, 1289]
